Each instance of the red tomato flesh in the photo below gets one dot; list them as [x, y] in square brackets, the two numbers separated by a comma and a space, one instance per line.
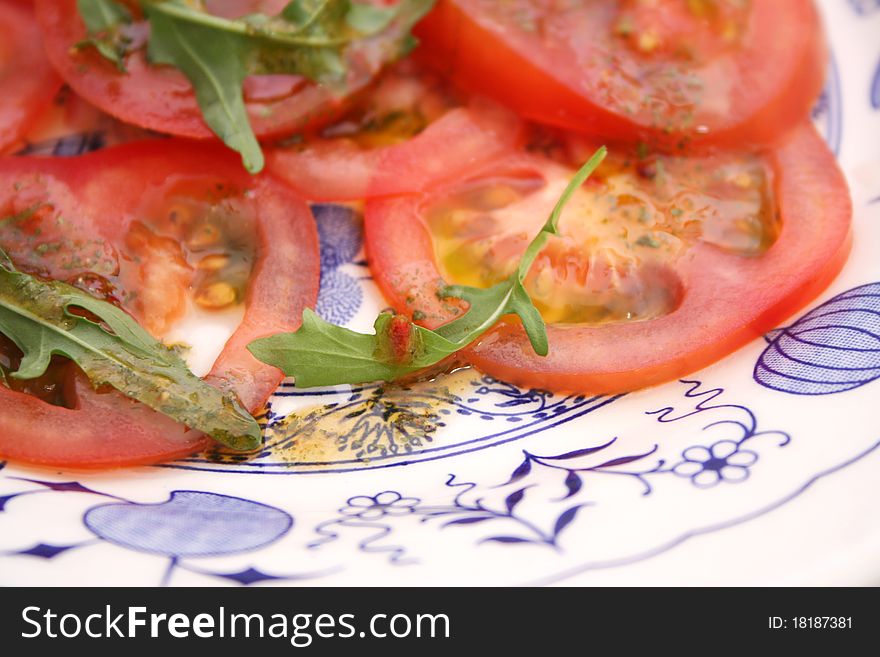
[671, 73]
[386, 132]
[662, 265]
[184, 227]
[160, 98]
[28, 81]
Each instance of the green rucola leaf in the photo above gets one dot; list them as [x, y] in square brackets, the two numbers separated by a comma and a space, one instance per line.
[370, 19]
[112, 349]
[100, 15]
[322, 354]
[315, 16]
[213, 60]
[104, 20]
[551, 227]
[487, 306]
[510, 296]
[309, 38]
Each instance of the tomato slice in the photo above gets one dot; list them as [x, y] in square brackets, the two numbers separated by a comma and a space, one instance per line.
[160, 97]
[671, 73]
[185, 230]
[386, 132]
[29, 83]
[662, 265]
[73, 126]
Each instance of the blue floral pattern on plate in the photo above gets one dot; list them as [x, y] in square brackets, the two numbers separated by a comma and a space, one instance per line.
[721, 461]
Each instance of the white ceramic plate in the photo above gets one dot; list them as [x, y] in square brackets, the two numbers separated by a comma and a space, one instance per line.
[758, 470]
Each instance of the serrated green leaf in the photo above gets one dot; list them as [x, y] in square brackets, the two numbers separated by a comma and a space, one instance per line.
[370, 19]
[552, 224]
[299, 12]
[309, 38]
[100, 15]
[5, 260]
[214, 62]
[316, 16]
[322, 354]
[112, 349]
[521, 305]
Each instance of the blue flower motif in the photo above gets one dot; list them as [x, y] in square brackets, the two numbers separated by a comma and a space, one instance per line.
[387, 503]
[708, 466]
[190, 524]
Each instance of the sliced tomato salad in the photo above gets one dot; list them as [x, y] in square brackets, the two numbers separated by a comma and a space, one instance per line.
[378, 148]
[161, 98]
[28, 81]
[163, 229]
[718, 213]
[662, 266]
[672, 73]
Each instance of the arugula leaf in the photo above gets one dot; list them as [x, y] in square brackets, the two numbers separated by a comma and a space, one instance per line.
[370, 19]
[112, 349]
[309, 38]
[104, 19]
[213, 60]
[322, 354]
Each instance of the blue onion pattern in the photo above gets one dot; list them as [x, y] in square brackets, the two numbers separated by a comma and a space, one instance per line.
[190, 524]
[68, 146]
[875, 88]
[339, 231]
[339, 298]
[827, 113]
[833, 348]
[865, 7]
[340, 234]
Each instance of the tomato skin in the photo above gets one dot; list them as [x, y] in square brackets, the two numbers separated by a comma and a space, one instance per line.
[29, 82]
[108, 430]
[103, 431]
[773, 80]
[726, 301]
[160, 98]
